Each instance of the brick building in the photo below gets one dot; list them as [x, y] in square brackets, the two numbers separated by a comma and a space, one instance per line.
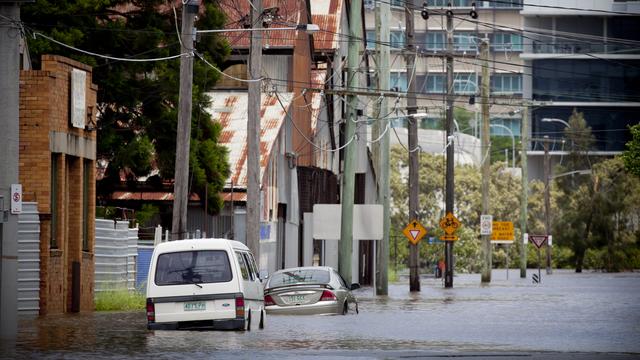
[57, 170]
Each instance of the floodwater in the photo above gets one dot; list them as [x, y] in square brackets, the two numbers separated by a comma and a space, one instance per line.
[577, 315]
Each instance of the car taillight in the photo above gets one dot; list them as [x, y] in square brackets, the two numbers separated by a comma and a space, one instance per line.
[268, 300]
[327, 296]
[240, 307]
[151, 311]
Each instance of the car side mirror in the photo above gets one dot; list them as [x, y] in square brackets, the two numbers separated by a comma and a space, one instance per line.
[355, 286]
[263, 275]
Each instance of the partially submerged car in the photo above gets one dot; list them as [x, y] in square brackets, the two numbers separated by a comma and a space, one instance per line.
[204, 284]
[308, 291]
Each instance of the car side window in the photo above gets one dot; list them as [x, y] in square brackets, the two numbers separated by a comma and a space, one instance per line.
[341, 280]
[249, 266]
[252, 260]
[243, 266]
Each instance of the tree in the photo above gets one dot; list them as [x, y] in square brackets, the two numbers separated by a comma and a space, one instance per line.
[631, 156]
[137, 101]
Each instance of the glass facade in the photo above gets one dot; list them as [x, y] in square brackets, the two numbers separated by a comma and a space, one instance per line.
[609, 125]
[586, 80]
[506, 42]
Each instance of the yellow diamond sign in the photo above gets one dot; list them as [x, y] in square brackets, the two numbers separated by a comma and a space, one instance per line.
[414, 231]
[449, 224]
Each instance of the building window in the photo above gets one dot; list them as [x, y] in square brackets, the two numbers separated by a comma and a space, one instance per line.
[436, 40]
[465, 42]
[86, 172]
[454, 3]
[371, 40]
[396, 38]
[434, 83]
[502, 3]
[506, 42]
[506, 83]
[465, 83]
[398, 80]
[53, 242]
[510, 123]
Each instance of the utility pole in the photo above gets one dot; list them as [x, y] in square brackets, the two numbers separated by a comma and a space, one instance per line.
[253, 133]
[547, 202]
[524, 203]
[414, 275]
[9, 148]
[383, 11]
[485, 145]
[348, 172]
[449, 189]
[183, 136]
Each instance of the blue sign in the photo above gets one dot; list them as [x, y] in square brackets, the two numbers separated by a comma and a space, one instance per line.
[265, 231]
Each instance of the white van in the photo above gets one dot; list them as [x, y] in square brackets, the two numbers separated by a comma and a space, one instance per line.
[204, 284]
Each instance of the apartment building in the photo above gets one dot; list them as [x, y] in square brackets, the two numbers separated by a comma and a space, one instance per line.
[585, 56]
[499, 21]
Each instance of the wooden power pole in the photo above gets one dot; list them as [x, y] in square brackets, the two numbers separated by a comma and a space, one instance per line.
[348, 172]
[183, 136]
[414, 180]
[449, 188]
[524, 203]
[485, 145]
[383, 12]
[253, 133]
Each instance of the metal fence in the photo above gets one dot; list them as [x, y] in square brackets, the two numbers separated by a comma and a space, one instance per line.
[29, 260]
[116, 251]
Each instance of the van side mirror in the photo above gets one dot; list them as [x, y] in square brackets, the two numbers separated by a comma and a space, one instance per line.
[263, 275]
[355, 286]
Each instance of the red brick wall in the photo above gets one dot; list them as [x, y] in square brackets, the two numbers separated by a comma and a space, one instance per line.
[45, 108]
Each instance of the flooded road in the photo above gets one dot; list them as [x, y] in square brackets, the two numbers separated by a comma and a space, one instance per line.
[567, 316]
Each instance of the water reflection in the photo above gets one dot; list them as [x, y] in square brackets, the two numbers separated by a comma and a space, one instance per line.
[568, 312]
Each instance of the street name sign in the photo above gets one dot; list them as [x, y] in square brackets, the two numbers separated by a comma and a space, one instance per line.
[502, 232]
[414, 231]
[538, 240]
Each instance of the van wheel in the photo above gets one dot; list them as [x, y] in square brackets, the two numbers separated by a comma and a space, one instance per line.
[261, 325]
[345, 308]
[248, 327]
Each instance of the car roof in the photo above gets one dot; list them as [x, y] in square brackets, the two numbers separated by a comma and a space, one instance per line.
[200, 244]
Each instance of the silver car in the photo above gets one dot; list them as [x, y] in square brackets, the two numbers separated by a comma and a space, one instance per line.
[308, 291]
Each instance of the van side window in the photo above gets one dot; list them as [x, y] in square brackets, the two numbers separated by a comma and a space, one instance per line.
[250, 266]
[255, 266]
[243, 266]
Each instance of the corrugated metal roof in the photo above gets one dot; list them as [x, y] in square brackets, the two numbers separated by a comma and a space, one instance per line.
[230, 109]
[148, 195]
[324, 13]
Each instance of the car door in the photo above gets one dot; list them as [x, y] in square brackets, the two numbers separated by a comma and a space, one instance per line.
[251, 285]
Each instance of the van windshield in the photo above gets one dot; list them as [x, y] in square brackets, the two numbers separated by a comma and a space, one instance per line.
[193, 267]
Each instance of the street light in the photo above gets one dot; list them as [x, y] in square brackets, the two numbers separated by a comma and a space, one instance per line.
[513, 144]
[308, 28]
[556, 120]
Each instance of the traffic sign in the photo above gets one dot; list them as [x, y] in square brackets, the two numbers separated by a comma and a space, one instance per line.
[486, 222]
[414, 231]
[502, 231]
[448, 237]
[449, 224]
[538, 240]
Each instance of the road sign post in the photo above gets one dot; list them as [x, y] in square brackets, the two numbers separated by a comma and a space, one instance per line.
[538, 241]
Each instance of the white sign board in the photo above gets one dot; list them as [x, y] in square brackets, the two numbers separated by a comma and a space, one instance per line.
[486, 224]
[16, 198]
[367, 221]
[78, 98]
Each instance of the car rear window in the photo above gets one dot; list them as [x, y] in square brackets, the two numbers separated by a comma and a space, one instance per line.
[306, 276]
[188, 267]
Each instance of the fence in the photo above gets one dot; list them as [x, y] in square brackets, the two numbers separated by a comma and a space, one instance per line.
[29, 260]
[116, 251]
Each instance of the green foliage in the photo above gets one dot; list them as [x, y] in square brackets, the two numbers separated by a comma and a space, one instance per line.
[631, 155]
[137, 101]
[146, 213]
[119, 300]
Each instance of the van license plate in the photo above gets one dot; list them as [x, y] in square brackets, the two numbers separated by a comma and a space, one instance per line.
[195, 306]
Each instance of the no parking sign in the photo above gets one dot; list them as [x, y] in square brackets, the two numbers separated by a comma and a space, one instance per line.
[16, 198]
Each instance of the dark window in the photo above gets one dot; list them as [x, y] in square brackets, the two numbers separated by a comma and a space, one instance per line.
[86, 171]
[188, 267]
[53, 242]
[244, 270]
